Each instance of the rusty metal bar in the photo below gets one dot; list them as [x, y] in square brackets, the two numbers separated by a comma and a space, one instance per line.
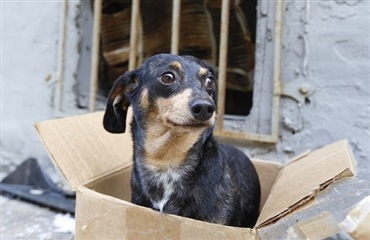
[243, 136]
[275, 116]
[135, 6]
[222, 64]
[58, 100]
[95, 54]
[175, 32]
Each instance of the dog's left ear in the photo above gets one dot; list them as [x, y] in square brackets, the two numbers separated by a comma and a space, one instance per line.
[114, 120]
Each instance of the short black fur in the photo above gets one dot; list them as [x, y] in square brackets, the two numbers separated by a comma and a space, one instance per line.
[213, 182]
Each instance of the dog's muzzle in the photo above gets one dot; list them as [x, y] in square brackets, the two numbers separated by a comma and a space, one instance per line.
[202, 109]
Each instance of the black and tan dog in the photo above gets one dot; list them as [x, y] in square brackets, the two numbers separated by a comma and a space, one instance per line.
[178, 167]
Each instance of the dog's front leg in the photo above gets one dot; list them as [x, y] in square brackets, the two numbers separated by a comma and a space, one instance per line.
[137, 196]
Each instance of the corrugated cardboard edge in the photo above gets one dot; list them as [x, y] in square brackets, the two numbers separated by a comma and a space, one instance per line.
[304, 200]
[348, 172]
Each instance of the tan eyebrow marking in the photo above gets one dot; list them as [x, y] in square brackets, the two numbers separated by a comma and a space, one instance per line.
[203, 72]
[177, 66]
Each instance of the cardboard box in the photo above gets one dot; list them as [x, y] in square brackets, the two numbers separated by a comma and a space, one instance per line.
[97, 165]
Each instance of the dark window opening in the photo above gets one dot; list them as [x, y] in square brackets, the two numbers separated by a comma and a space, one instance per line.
[199, 36]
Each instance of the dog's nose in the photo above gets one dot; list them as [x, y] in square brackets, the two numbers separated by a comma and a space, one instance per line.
[202, 109]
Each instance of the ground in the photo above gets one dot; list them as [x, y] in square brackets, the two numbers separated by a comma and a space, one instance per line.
[23, 220]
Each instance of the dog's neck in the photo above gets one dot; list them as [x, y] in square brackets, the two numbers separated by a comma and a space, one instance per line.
[163, 148]
[166, 149]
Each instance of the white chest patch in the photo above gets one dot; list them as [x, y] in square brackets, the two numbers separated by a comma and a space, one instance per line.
[167, 180]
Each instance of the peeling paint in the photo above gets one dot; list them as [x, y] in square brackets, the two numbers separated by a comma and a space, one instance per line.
[325, 43]
[348, 2]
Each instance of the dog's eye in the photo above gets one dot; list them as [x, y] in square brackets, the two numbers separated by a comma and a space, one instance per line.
[168, 78]
[209, 83]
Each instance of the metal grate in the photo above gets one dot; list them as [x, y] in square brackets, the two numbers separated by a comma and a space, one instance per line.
[220, 130]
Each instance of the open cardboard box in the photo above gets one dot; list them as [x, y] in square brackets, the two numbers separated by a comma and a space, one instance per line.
[97, 165]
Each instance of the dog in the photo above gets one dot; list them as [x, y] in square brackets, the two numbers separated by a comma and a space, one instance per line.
[178, 167]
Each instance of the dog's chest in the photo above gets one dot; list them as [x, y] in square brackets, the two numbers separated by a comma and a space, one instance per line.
[161, 187]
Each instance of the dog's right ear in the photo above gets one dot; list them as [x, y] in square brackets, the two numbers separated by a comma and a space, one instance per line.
[114, 120]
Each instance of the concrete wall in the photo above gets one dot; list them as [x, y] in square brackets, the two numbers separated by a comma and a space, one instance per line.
[325, 44]
[30, 40]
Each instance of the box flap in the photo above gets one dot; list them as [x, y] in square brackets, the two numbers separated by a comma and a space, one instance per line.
[267, 172]
[82, 149]
[302, 179]
[100, 216]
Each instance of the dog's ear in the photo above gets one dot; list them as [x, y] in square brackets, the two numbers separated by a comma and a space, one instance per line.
[114, 120]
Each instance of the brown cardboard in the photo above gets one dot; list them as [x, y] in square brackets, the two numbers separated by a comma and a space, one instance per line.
[356, 224]
[82, 149]
[322, 226]
[267, 173]
[103, 204]
[98, 165]
[300, 180]
[101, 216]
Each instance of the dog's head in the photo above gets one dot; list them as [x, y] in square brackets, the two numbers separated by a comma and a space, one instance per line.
[174, 91]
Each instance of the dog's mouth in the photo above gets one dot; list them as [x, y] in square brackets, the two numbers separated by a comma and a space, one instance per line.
[190, 124]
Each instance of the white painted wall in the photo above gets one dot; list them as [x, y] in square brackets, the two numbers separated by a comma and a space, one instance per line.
[326, 44]
[29, 35]
[30, 38]
[339, 68]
